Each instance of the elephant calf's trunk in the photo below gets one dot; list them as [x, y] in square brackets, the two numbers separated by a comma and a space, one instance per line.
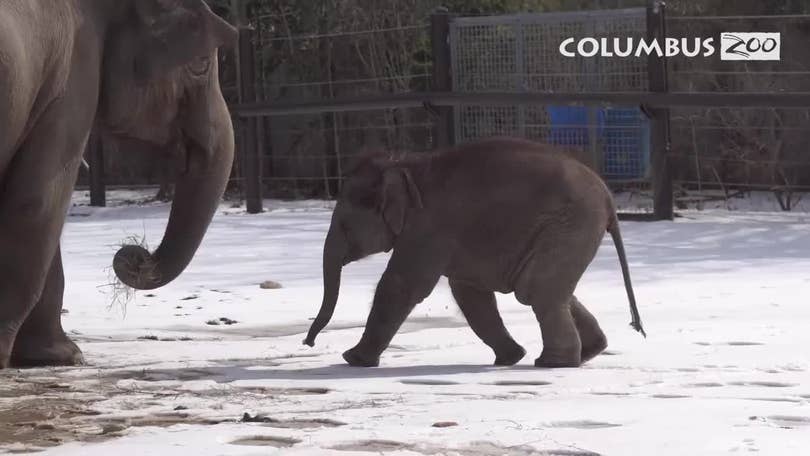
[333, 255]
[320, 322]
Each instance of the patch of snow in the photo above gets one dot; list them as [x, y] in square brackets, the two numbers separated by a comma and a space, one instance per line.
[724, 369]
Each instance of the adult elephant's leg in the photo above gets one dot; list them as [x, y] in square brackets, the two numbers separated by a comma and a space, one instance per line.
[481, 311]
[41, 341]
[593, 339]
[34, 198]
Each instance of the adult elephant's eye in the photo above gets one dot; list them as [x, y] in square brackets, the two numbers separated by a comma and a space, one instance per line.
[200, 66]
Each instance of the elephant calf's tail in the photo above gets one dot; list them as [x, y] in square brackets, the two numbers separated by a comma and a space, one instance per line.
[613, 229]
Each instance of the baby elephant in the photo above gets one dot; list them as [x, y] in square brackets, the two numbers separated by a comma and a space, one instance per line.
[502, 215]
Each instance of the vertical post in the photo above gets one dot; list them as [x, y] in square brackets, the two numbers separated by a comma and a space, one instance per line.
[238, 12]
[441, 78]
[659, 117]
[250, 150]
[95, 159]
[521, 81]
[592, 83]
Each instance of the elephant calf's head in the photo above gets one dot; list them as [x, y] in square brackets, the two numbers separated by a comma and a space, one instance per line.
[370, 213]
[161, 90]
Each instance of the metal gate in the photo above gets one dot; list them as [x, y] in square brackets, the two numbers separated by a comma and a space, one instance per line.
[520, 53]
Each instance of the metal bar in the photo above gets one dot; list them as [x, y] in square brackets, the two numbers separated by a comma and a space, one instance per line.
[249, 153]
[608, 99]
[554, 17]
[591, 84]
[95, 157]
[742, 18]
[441, 81]
[349, 81]
[521, 80]
[340, 34]
[663, 201]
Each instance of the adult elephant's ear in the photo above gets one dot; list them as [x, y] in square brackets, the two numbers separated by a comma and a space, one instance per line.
[176, 33]
[399, 193]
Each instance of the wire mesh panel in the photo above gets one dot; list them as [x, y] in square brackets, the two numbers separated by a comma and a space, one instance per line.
[328, 53]
[729, 150]
[521, 53]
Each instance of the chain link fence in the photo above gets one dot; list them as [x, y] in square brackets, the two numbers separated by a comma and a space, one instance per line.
[521, 53]
[718, 152]
[721, 152]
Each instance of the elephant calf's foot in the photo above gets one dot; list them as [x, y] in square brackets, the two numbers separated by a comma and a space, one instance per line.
[40, 353]
[593, 348]
[356, 358]
[509, 357]
[549, 359]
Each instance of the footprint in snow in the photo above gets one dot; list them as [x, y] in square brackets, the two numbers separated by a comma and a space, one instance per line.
[764, 384]
[703, 385]
[429, 382]
[670, 396]
[733, 343]
[789, 422]
[266, 441]
[582, 424]
[521, 383]
[792, 400]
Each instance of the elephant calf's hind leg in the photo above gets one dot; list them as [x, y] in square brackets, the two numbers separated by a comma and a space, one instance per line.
[550, 299]
[593, 339]
[481, 311]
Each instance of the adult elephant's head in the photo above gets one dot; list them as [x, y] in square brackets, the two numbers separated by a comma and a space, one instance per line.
[161, 88]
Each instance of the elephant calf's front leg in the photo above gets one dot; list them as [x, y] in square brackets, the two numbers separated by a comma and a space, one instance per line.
[396, 296]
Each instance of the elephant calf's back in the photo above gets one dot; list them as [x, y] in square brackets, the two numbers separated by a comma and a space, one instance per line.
[519, 173]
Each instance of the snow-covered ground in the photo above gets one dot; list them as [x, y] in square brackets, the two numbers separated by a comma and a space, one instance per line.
[725, 369]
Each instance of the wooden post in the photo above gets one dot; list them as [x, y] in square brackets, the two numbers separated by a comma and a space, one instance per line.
[95, 159]
[659, 117]
[441, 78]
[238, 12]
[249, 150]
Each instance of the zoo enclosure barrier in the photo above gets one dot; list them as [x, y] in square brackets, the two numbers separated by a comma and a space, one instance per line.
[482, 57]
[710, 126]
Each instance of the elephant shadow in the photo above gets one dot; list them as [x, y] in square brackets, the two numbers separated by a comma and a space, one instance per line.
[251, 370]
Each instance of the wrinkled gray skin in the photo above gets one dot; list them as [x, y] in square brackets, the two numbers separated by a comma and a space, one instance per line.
[499, 215]
[142, 71]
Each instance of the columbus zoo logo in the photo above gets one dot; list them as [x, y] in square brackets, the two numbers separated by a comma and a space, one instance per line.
[733, 46]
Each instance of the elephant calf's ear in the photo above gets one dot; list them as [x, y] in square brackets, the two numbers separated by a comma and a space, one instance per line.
[177, 33]
[398, 194]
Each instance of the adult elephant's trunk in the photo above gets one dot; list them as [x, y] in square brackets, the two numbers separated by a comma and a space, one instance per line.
[334, 257]
[209, 149]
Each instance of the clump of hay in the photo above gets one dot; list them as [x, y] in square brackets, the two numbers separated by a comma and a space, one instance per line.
[120, 293]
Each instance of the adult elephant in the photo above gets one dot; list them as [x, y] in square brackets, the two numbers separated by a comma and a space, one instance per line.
[140, 70]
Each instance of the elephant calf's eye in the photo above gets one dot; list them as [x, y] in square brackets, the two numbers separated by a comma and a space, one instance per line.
[200, 66]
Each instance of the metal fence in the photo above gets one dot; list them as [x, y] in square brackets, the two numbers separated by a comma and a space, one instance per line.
[319, 98]
[520, 53]
[302, 156]
[720, 152]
